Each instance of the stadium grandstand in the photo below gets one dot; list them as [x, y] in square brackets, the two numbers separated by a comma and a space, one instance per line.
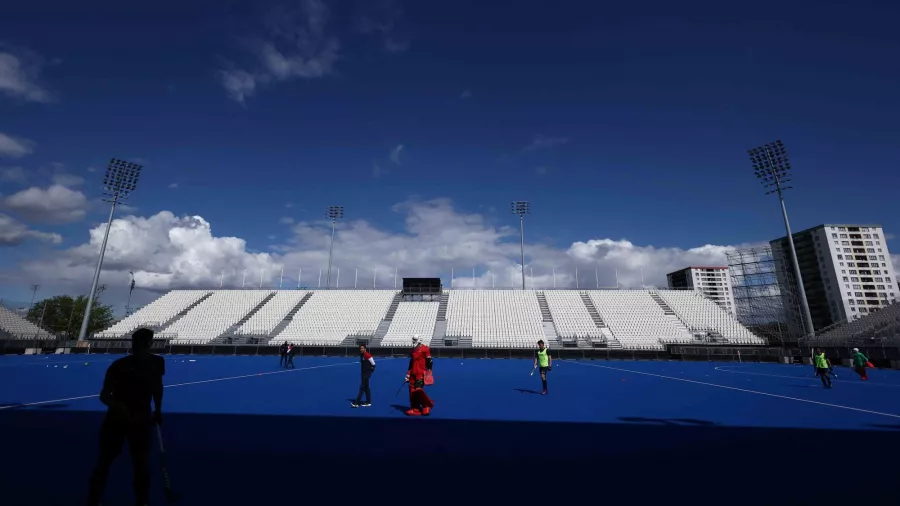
[496, 319]
[13, 326]
[877, 328]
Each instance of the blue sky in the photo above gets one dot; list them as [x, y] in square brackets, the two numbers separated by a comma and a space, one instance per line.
[619, 122]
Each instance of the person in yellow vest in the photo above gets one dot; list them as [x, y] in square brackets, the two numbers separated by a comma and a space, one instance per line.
[543, 360]
[823, 367]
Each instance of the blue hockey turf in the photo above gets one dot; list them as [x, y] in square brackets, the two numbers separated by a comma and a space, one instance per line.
[241, 430]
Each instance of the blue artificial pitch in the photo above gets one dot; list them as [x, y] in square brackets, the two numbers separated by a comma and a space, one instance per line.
[241, 430]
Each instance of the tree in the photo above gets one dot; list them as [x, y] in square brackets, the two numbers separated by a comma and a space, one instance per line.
[63, 314]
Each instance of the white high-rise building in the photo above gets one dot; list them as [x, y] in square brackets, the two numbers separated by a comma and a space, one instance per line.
[846, 270]
[713, 282]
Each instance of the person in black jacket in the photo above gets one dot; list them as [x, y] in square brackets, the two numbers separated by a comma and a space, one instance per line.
[282, 350]
[129, 386]
[367, 364]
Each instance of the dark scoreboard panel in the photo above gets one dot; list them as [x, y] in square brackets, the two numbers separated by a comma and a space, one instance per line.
[422, 285]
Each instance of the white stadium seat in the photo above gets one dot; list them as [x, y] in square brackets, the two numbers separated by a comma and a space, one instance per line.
[703, 315]
[212, 317]
[155, 314]
[410, 319]
[490, 318]
[495, 318]
[330, 316]
[272, 313]
[636, 320]
[20, 328]
[570, 315]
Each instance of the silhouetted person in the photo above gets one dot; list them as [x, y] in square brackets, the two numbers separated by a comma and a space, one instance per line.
[130, 384]
[283, 352]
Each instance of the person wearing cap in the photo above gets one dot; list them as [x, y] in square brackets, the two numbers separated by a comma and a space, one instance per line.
[130, 384]
[419, 362]
[859, 364]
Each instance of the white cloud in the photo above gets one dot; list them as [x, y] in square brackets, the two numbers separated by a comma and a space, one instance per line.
[540, 171]
[20, 76]
[378, 170]
[164, 251]
[173, 185]
[169, 251]
[395, 154]
[13, 233]
[286, 220]
[465, 94]
[895, 262]
[15, 147]
[68, 180]
[544, 142]
[56, 204]
[299, 47]
[239, 84]
[13, 175]
[289, 205]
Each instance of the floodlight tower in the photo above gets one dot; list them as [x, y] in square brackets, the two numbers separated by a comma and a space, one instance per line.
[335, 213]
[119, 182]
[521, 208]
[772, 168]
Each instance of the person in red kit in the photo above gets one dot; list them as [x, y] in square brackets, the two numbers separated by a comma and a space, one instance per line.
[420, 364]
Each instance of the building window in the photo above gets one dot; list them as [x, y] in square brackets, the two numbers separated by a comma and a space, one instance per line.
[881, 257]
[852, 271]
[846, 250]
[870, 250]
[869, 243]
[841, 257]
[854, 279]
[851, 302]
[868, 236]
[856, 287]
[845, 243]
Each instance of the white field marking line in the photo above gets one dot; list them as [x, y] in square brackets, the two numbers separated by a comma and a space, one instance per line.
[183, 384]
[744, 390]
[861, 383]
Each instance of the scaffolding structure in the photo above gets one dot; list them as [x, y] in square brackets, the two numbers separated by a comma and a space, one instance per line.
[765, 294]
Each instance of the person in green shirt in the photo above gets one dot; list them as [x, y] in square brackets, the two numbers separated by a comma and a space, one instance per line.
[859, 364]
[543, 360]
[823, 367]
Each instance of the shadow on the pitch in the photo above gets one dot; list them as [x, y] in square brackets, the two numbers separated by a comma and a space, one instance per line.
[882, 426]
[232, 459]
[526, 391]
[668, 421]
[400, 407]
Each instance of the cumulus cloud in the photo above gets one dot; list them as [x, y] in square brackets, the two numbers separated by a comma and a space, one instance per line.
[163, 251]
[20, 72]
[15, 147]
[167, 252]
[298, 46]
[13, 233]
[55, 204]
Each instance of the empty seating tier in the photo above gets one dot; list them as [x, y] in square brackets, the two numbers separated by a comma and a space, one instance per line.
[155, 314]
[495, 319]
[20, 328]
[330, 316]
[271, 314]
[636, 320]
[212, 317]
[410, 319]
[479, 318]
[703, 315]
[570, 315]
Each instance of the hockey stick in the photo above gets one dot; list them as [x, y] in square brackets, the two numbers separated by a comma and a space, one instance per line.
[401, 388]
[171, 496]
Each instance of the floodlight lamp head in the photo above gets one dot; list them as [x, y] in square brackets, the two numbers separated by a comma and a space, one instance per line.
[520, 207]
[335, 212]
[121, 178]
